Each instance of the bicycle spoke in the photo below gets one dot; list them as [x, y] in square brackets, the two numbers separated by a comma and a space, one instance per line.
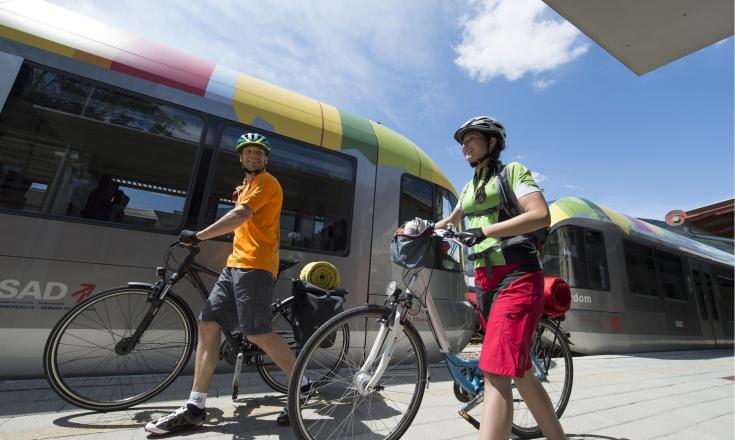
[118, 376]
[338, 409]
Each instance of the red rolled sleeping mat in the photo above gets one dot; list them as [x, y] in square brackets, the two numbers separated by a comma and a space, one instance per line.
[557, 297]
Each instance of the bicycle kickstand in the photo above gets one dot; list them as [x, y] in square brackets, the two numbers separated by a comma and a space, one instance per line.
[465, 409]
[236, 376]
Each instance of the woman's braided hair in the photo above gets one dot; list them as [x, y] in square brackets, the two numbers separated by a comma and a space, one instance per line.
[487, 172]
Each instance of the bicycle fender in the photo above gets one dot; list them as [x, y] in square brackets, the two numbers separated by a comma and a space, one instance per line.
[134, 284]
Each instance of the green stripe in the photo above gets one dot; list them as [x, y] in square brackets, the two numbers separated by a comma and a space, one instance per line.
[596, 209]
[358, 134]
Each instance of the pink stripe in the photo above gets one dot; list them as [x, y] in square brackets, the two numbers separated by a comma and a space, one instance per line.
[160, 64]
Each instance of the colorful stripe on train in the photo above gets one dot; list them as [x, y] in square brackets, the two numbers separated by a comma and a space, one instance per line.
[568, 207]
[252, 101]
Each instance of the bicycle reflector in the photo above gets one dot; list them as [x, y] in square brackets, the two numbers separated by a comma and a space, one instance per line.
[391, 289]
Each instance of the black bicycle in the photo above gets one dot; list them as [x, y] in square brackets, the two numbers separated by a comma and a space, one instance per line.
[125, 345]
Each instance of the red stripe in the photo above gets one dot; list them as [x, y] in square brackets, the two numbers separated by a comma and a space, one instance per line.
[160, 64]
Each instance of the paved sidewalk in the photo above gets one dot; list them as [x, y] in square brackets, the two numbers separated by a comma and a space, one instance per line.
[671, 395]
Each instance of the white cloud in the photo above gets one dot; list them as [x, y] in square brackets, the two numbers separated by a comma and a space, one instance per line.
[538, 177]
[519, 157]
[511, 38]
[570, 187]
[541, 84]
[346, 53]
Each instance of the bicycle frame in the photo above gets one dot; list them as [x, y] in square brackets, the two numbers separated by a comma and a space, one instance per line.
[472, 382]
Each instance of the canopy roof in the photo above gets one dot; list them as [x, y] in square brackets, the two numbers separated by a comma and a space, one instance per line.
[645, 35]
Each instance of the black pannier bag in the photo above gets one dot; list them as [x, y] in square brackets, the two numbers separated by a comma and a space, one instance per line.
[312, 307]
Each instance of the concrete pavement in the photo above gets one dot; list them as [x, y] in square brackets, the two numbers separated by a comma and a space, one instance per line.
[668, 395]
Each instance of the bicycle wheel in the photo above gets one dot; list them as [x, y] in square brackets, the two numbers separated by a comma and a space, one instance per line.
[271, 374]
[335, 408]
[554, 368]
[85, 360]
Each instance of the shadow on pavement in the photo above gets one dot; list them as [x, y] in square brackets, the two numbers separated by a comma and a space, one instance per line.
[245, 423]
[685, 354]
[593, 437]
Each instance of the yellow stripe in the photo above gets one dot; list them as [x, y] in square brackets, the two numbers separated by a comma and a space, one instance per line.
[289, 113]
[395, 150]
[431, 172]
[332, 128]
[557, 214]
[618, 219]
[35, 41]
[92, 59]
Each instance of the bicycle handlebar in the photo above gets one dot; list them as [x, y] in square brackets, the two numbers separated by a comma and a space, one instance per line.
[448, 234]
[194, 250]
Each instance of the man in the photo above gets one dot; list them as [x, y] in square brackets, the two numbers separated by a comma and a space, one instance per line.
[243, 293]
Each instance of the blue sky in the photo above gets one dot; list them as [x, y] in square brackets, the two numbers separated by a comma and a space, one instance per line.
[582, 121]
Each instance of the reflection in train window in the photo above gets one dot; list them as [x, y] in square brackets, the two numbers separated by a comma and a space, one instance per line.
[421, 198]
[640, 268]
[317, 191]
[578, 256]
[450, 251]
[726, 293]
[416, 199]
[671, 275]
[699, 291]
[73, 148]
[711, 296]
[595, 260]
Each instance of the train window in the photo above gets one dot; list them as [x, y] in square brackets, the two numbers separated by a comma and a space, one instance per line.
[698, 288]
[640, 268]
[561, 256]
[318, 188]
[73, 148]
[417, 200]
[595, 260]
[726, 293]
[417, 197]
[578, 256]
[671, 276]
[449, 257]
[710, 290]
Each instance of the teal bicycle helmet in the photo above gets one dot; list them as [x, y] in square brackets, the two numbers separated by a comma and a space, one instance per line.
[253, 139]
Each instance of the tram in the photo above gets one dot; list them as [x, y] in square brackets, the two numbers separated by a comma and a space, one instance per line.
[110, 144]
[635, 286]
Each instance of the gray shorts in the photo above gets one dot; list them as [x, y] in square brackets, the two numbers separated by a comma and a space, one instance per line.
[241, 298]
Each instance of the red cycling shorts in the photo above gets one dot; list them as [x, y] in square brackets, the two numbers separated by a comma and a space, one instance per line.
[517, 305]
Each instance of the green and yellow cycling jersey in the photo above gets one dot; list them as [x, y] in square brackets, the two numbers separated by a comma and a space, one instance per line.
[488, 212]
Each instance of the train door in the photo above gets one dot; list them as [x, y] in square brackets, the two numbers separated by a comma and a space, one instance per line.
[710, 309]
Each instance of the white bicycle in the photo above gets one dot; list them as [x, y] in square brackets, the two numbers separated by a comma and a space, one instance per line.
[379, 386]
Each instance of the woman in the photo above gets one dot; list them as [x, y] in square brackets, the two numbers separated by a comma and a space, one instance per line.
[511, 279]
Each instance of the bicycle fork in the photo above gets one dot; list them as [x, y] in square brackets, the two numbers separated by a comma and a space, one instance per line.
[365, 382]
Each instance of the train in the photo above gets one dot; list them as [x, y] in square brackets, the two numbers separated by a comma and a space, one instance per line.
[110, 144]
[637, 287]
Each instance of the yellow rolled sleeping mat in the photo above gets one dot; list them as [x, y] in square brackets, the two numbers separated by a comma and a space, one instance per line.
[321, 274]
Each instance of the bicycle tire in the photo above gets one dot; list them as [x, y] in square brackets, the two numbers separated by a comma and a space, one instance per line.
[559, 359]
[82, 366]
[271, 374]
[320, 411]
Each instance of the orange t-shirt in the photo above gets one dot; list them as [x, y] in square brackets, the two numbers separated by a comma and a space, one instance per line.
[257, 240]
